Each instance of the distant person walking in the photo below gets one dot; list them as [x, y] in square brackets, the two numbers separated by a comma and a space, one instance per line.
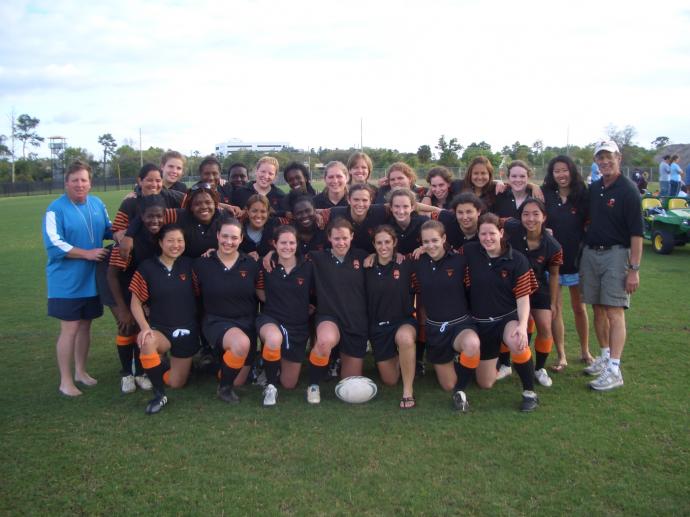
[595, 175]
[664, 176]
[610, 264]
[675, 176]
[74, 227]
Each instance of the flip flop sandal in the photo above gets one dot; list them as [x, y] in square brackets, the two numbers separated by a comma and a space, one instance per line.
[407, 403]
[558, 368]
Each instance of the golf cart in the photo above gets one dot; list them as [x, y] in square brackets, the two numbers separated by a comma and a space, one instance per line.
[666, 226]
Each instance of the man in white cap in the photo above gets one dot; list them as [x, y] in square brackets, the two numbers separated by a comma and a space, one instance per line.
[610, 265]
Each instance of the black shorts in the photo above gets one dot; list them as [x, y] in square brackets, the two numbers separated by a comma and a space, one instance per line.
[491, 335]
[354, 345]
[214, 328]
[540, 300]
[184, 341]
[382, 338]
[295, 338]
[440, 337]
[75, 309]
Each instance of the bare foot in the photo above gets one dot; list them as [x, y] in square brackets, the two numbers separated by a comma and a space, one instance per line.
[69, 391]
[85, 379]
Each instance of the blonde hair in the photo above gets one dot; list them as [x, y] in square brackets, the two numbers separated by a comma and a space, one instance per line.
[267, 159]
[169, 155]
[405, 169]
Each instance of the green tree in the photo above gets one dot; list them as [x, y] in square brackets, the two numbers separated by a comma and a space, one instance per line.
[4, 150]
[424, 154]
[109, 146]
[660, 142]
[449, 151]
[24, 131]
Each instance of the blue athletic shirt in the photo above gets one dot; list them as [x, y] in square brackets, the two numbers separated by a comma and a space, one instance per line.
[67, 225]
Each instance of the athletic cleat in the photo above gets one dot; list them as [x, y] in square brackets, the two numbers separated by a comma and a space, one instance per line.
[314, 394]
[127, 384]
[143, 382]
[333, 370]
[261, 379]
[155, 405]
[503, 372]
[460, 402]
[607, 381]
[270, 395]
[597, 367]
[227, 394]
[543, 377]
[530, 401]
[420, 369]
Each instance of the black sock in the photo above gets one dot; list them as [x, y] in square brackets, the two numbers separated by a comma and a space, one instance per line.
[503, 359]
[541, 360]
[464, 377]
[526, 373]
[316, 373]
[421, 347]
[155, 375]
[126, 353]
[228, 375]
[271, 369]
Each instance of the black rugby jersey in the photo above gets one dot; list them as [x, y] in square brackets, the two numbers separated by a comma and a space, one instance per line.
[275, 196]
[496, 283]
[567, 221]
[440, 283]
[615, 213]
[504, 204]
[455, 237]
[287, 294]
[364, 231]
[410, 238]
[321, 201]
[390, 296]
[227, 292]
[340, 289]
[170, 295]
[198, 237]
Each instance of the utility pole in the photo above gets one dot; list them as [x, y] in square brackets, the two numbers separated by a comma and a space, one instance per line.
[361, 139]
[12, 130]
[141, 153]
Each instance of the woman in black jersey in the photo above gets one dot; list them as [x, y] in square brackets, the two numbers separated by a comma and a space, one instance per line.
[283, 324]
[508, 202]
[297, 177]
[335, 176]
[545, 256]
[500, 282]
[442, 187]
[438, 278]
[341, 314]
[392, 327]
[165, 285]
[460, 221]
[309, 236]
[258, 228]
[119, 275]
[565, 196]
[405, 220]
[227, 282]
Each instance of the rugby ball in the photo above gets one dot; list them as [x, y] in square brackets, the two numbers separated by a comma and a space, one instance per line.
[356, 389]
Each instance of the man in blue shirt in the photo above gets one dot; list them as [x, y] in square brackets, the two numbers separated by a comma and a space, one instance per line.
[595, 174]
[664, 173]
[74, 227]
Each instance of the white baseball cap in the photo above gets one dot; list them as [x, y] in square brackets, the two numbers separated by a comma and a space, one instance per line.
[606, 145]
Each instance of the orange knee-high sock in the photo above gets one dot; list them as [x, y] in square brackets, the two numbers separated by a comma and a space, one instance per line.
[125, 351]
[468, 365]
[317, 367]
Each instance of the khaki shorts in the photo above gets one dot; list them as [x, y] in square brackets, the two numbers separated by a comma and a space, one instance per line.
[602, 276]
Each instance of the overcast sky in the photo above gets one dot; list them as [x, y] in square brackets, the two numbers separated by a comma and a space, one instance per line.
[191, 74]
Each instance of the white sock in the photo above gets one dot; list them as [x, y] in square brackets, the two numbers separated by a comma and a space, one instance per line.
[615, 365]
[606, 353]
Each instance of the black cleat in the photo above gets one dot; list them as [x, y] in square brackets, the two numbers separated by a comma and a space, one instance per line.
[530, 401]
[227, 394]
[155, 405]
[460, 402]
[420, 369]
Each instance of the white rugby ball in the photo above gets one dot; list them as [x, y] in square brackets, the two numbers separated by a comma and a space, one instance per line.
[356, 389]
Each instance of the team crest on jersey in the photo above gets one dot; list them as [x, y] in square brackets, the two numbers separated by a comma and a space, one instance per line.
[355, 264]
[396, 274]
[573, 210]
[370, 231]
[450, 272]
[540, 259]
[300, 281]
[183, 277]
[243, 274]
[504, 274]
[611, 202]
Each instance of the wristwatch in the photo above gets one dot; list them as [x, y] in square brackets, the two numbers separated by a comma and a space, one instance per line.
[633, 267]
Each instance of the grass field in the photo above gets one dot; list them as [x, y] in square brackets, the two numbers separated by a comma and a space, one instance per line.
[585, 453]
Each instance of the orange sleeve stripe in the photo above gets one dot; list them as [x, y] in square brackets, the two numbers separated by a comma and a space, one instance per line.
[139, 287]
[556, 259]
[170, 216]
[260, 282]
[117, 261]
[121, 221]
[195, 284]
[525, 285]
[466, 279]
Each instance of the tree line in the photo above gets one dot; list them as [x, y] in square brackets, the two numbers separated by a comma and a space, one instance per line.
[124, 161]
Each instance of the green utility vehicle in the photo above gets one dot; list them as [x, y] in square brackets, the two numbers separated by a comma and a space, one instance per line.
[666, 226]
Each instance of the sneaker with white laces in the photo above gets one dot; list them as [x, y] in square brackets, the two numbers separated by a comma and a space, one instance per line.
[597, 367]
[270, 395]
[503, 372]
[530, 401]
[460, 402]
[143, 382]
[127, 384]
[314, 394]
[543, 378]
[608, 380]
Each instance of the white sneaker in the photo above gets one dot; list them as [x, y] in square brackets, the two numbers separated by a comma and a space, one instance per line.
[127, 384]
[503, 372]
[607, 381]
[460, 402]
[543, 377]
[314, 394]
[597, 367]
[143, 382]
[270, 395]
